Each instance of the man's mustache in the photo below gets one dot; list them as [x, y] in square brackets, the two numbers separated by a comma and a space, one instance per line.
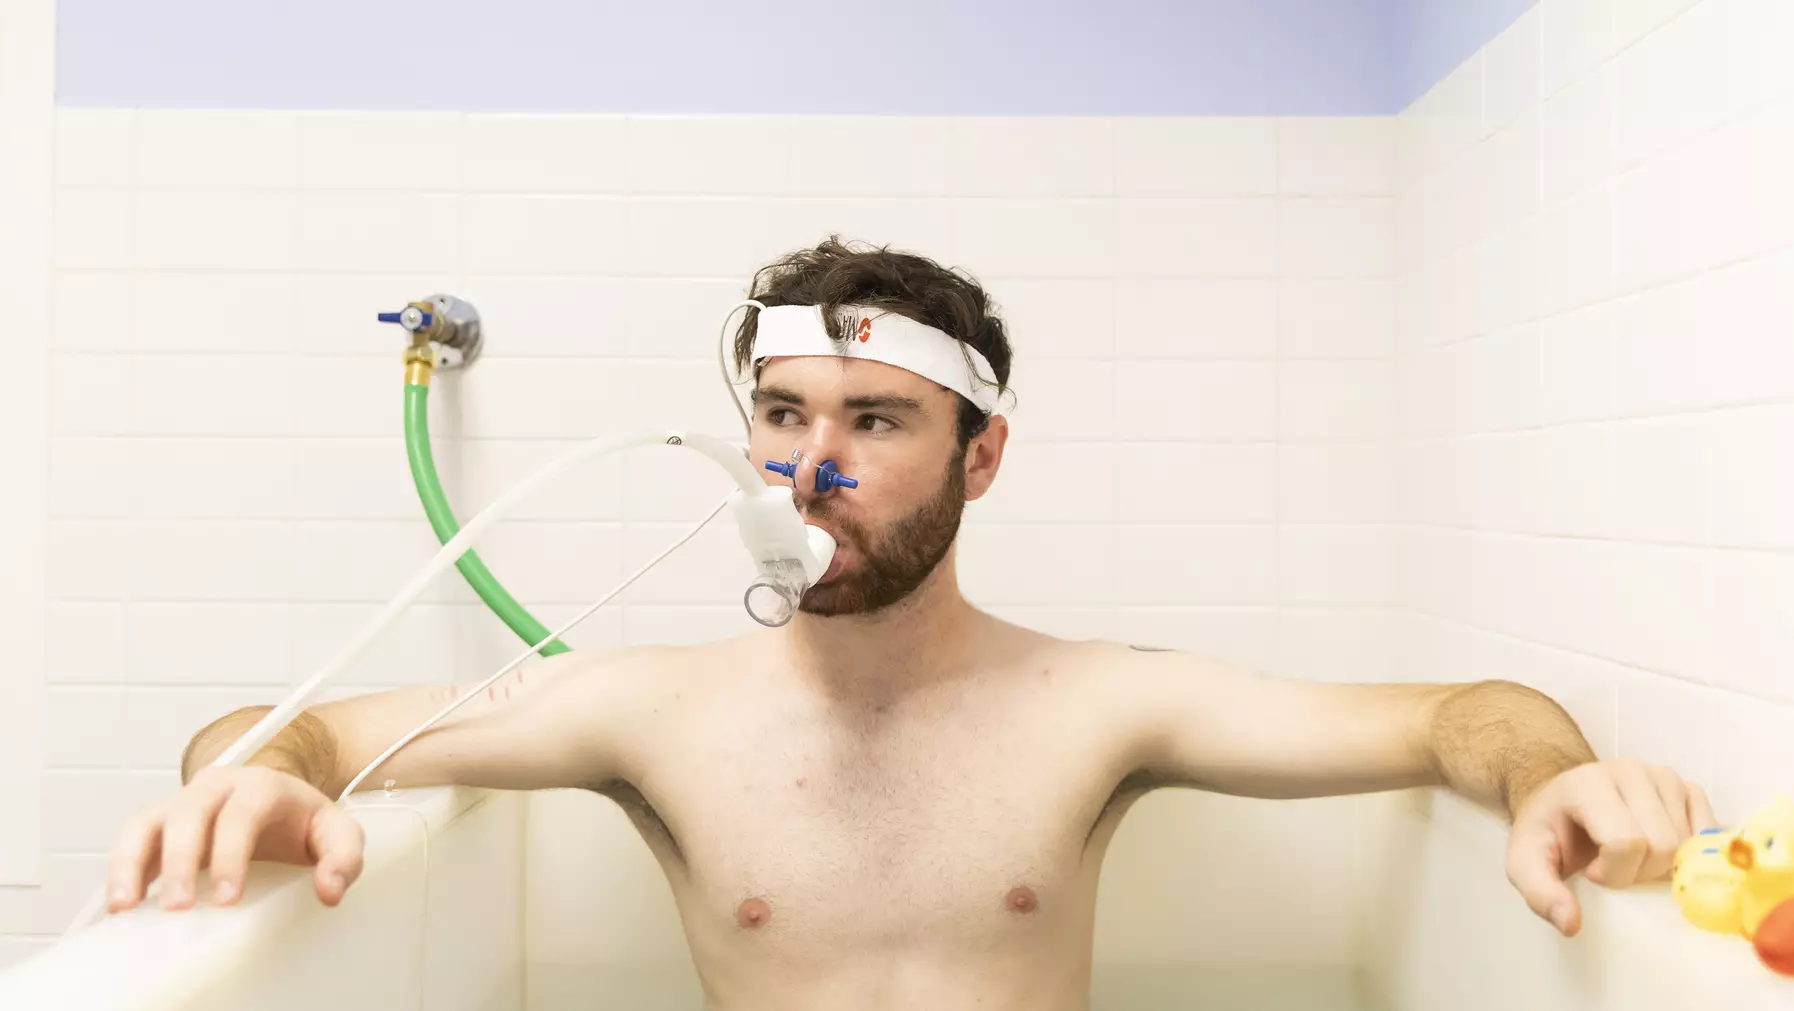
[825, 509]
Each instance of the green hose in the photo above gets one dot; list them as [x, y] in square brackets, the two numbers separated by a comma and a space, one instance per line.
[442, 520]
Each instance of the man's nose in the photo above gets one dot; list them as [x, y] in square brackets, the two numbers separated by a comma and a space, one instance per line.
[810, 477]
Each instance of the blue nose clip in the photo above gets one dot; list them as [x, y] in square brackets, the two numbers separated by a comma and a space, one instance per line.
[828, 476]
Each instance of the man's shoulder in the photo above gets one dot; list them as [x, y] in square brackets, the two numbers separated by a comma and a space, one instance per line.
[647, 665]
[1092, 661]
[1107, 665]
[1097, 649]
[618, 660]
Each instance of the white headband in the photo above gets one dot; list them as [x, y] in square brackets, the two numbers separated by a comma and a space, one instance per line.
[878, 335]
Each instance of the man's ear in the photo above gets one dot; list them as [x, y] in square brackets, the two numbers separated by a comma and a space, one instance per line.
[984, 454]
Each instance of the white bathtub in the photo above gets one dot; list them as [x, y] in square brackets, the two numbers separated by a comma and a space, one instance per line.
[439, 921]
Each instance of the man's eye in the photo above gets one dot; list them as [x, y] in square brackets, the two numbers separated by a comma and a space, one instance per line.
[781, 415]
[874, 423]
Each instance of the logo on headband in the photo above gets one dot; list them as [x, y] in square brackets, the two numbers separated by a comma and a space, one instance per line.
[855, 326]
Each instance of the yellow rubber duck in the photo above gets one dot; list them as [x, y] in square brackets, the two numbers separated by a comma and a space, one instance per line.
[1707, 884]
[1763, 852]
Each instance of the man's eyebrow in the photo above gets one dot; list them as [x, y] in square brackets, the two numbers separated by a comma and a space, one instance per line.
[886, 402]
[865, 402]
[782, 394]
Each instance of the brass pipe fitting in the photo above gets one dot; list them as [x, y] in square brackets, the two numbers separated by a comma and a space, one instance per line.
[450, 339]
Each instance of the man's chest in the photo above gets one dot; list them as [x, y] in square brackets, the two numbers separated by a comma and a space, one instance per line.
[807, 826]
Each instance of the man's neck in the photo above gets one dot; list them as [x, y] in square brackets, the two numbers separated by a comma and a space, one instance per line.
[923, 640]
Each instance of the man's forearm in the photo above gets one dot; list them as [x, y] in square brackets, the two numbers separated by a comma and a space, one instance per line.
[1496, 742]
[305, 748]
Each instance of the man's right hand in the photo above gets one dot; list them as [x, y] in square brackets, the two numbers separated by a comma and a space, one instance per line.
[558, 731]
[226, 817]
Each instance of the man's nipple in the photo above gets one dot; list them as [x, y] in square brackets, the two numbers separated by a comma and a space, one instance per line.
[1021, 899]
[753, 914]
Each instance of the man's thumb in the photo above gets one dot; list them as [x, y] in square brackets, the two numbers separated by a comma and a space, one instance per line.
[1533, 872]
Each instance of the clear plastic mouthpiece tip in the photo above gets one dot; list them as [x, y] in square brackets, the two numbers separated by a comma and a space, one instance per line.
[770, 602]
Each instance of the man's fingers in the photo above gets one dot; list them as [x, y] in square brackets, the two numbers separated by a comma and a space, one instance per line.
[1674, 792]
[1700, 809]
[1641, 787]
[336, 840]
[1631, 816]
[1603, 814]
[239, 829]
[1535, 868]
[135, 854]
[186, 842]
[225, 818]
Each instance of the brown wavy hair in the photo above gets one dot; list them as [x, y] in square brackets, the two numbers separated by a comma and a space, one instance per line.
[836, 273]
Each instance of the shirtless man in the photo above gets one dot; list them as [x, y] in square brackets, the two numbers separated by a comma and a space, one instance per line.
[898, 800]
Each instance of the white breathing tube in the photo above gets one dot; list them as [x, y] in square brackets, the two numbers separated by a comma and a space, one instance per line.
[518, 660]
[759, 507]
[790, 555]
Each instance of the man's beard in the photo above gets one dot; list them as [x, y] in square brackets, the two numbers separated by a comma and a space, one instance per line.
[889, 570]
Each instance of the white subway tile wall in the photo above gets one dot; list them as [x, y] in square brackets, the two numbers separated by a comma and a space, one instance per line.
[1203, 313]
[1590, 474]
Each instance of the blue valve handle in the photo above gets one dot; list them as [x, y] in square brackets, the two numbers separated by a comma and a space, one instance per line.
[827, 475]
[394, 317]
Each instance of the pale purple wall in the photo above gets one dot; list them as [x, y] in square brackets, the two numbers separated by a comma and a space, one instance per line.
[1437, 35]
[1103, 57]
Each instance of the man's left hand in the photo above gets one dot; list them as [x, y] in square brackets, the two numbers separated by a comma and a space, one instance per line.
[1621, 820]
